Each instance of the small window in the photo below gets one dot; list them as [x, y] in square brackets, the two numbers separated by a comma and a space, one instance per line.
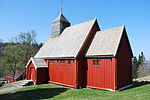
[51, 61]
[62, 61]
[69, 62]
[95, 62]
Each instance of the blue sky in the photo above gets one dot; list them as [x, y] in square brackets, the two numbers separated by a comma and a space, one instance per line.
[24, 15]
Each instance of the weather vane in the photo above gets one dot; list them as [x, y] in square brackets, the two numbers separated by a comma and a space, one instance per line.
[61, 5]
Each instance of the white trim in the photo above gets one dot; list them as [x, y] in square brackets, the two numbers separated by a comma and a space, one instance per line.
[108, 89]
[111, 90]
[31, 59]
[127, 86]
[35, 65]
[118, 44]
[28, 63]
[34, 62]
[100, 88]
[86, 37]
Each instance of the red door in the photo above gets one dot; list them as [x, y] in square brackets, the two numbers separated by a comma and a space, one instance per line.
[32, 74]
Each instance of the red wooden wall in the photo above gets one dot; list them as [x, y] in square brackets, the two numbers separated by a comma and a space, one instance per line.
[101, 76]
[63, 73]
[31, 72]
[39, 75]
[73, 74]
[42, 75]
[111, 73]
[81, 60]
[124, 64]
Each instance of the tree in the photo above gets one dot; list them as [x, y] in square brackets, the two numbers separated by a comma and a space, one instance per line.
[28, 45]
[141, 59]
[2, 68]
[12, 54]
[17, 52]
[1, 48]
[135, 66]
[143, 71]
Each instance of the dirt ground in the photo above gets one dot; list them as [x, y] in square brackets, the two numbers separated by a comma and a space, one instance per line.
[147, 78]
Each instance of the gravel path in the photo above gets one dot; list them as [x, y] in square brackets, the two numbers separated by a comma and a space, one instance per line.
[8, 89]
[14, 87]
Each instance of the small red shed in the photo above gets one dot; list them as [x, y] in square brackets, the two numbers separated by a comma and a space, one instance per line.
[36, 70]
[19, 75]
[9, 79]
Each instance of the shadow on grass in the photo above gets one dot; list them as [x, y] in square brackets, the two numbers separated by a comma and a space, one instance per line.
[140, 83]
[43, 93]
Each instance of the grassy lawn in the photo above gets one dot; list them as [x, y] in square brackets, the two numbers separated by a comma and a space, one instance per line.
[141, 91]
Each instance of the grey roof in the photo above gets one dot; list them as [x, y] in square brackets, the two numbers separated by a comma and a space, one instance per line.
[61, 17]
[68, 44]
[40, 63]
[106, 42]
[37, 62]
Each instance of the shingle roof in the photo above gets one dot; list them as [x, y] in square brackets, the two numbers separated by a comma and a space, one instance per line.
[61, 17]
[40, 63]
[106, 42]
[37, 62]
[68, 44]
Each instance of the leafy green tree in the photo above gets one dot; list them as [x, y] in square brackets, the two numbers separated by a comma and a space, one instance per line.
[18, 51]
[28, 44]
[1, 48]
[141, 59]
[11, 59]
[135, 66]
[2, 68]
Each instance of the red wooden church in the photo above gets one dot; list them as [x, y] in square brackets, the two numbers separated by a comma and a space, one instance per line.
[82, 55]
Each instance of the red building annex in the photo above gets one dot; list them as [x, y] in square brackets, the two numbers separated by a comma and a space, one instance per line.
[83, 55]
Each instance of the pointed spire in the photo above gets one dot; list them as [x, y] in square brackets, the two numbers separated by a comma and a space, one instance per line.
[61, 6]
[60, 11]
[59, 24]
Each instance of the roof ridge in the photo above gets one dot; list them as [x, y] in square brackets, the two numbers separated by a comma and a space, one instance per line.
[112, 28]
[105, 42]
[81, 23]
[50, 37]
[60, 17]
[71, 40]
[93, 22]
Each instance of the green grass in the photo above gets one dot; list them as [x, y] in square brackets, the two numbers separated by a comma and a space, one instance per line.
[49, 91]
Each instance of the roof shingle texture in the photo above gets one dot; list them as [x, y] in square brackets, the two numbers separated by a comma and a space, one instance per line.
[40, 63]
[105, 42]
[61, 17]
[68, 44]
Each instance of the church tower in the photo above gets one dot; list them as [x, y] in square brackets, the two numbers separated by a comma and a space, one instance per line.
[59, 24]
